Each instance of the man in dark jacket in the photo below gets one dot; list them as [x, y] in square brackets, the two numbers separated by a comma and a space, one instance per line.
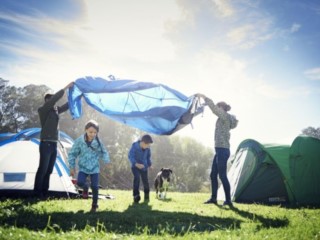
[49, 120]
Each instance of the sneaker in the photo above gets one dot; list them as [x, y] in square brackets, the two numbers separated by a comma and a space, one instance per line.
[94, 208]
[85, 194]
[136, 198]
[227, 203]
[210, 201]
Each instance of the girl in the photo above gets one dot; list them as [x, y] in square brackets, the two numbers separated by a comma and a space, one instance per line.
[88, 149]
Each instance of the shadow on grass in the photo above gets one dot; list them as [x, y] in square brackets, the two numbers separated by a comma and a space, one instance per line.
[264, 222]
[164, 199]
[136, 219]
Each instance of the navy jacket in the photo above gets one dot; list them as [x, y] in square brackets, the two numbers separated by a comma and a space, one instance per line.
[138, 155]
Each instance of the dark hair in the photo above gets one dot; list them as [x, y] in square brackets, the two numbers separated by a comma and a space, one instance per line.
[47, 97]
[95, 125]
[146, 139]
[226, 107]
[92, 123]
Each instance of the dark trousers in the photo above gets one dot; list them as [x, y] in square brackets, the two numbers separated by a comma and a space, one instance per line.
[137, 173]
[48, 154]
[94, 179]
[219, 167]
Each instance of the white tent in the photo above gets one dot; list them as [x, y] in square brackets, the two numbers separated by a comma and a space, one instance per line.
[19, 160]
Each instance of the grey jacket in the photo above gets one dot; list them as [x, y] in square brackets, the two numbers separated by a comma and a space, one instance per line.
[224, 124]
[49, 117]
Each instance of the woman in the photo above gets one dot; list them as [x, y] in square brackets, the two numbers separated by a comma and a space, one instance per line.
[224, 124]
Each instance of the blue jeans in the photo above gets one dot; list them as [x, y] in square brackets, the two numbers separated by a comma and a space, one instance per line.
[48, 154]
[82, 182]
[137, 173]
[219, 167]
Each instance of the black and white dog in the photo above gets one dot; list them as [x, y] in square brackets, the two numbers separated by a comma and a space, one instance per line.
[161, 183]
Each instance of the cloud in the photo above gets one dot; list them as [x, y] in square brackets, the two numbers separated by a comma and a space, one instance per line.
[250, 35]
[277, 92]
[295, 27]
[29, 35]
[220, 24]
[313, 74]
[224, 7]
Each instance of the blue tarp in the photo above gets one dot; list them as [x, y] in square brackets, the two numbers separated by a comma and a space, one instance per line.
[154, 108]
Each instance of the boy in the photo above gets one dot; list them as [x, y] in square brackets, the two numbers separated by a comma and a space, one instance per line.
[140, 159]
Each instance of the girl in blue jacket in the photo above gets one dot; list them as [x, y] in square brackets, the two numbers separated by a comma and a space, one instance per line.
[89, 150]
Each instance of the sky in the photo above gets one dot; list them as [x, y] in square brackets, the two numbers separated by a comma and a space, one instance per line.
[261, 57]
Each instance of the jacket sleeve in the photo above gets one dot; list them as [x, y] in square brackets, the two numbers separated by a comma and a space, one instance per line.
[216, 110]
[74, 153]
[53, 100]
[149, 162]
[131, 155]
[63, 108]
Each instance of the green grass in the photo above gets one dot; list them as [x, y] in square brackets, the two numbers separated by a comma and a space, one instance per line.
[181, 216]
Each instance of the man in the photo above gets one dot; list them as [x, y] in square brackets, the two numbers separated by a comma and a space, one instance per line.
[49, 120]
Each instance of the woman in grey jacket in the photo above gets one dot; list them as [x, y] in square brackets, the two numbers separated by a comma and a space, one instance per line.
[224, 124]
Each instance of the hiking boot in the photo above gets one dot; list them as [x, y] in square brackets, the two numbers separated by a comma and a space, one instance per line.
[41, 196]
[85, 194]
[136, 198]
[146, 198]
[228, 203]
[94, 208]
[210, 201]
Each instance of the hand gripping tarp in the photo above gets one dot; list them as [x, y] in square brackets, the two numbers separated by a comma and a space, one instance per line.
[154, 108]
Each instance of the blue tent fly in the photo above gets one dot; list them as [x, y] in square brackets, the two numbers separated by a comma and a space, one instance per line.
[154, 108]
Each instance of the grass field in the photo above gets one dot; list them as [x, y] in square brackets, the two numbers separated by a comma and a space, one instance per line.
[180, 216]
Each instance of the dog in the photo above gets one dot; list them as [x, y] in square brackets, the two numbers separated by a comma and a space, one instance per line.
[161, 182]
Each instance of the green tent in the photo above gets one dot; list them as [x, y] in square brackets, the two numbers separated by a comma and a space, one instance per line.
[274, 173]
[305, 170]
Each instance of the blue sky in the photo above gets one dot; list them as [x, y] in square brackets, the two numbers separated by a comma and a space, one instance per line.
[262, 57]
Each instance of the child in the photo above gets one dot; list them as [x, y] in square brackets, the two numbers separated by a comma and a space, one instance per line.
[89, 150]
[139, 157]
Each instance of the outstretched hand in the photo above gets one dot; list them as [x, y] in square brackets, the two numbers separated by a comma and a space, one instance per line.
[200, 95]
[69, 85]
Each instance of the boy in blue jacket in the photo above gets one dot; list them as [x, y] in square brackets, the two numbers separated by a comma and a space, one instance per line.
[89, 150]
[140, 159]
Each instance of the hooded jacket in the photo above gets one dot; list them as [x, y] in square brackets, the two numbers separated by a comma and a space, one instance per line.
[224, 124]
[88, 156]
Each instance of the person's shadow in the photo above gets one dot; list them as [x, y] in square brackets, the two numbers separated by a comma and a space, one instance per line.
[136, 219]
[265, 222]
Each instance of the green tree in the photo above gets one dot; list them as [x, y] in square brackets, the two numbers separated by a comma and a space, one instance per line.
[10, 116]
[312, 132]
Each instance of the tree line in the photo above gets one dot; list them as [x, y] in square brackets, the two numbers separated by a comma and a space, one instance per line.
[189, 159]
